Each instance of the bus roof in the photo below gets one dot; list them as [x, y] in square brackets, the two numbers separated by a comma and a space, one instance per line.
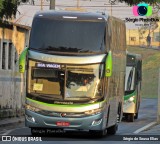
[76, 16]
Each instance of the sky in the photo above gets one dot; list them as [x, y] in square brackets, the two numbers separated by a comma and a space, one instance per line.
[26, 11]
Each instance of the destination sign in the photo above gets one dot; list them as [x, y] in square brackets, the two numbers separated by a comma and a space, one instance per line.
[45, 65]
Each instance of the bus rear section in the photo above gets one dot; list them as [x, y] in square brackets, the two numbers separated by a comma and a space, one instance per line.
[132, 87]
[75, 72]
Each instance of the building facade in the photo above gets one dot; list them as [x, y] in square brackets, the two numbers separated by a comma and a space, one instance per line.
[13, 39]
[137, 37]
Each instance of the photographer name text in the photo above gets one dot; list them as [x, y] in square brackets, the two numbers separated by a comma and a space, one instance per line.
[133, 20]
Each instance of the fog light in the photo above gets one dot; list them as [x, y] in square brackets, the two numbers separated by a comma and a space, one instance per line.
[30, 118]
[96, 122]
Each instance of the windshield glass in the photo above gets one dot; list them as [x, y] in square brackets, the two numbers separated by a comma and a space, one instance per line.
[67, 36]
[49, 82]
[130, 78]
[83, 81]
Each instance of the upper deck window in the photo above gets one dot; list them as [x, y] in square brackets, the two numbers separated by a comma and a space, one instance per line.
[71, 36]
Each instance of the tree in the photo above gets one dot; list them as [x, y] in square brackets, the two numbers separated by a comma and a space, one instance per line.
[8, 8]
[134, 2]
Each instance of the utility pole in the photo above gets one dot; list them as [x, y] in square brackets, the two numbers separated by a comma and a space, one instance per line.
[52, 4]
[77, 3]
[158, 113]
[159, 39]
[111, 9]
[41, 4]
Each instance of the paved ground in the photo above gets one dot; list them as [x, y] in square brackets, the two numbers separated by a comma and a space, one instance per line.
[11, 121]
[153, 129]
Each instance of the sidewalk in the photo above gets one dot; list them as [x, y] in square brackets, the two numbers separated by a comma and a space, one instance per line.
[11, 121]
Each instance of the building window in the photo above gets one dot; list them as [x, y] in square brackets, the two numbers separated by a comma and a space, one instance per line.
[15, 57]
[10, 56]
[157, 37]
[7, 55]
[133, 38]
[141, 38]
[4, 46]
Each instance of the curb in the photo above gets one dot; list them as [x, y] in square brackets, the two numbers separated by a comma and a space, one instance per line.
[147, 127]
[11, 121]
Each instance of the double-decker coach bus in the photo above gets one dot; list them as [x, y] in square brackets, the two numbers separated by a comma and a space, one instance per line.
[75, 72]
[132, 86]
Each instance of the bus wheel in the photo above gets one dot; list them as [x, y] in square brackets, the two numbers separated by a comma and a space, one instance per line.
[136, 116]
[112, 130]
[131, 117]
[126, 117]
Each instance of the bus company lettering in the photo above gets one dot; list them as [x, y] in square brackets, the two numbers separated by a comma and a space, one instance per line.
[52, 66]
[62, 102]
[43, 65]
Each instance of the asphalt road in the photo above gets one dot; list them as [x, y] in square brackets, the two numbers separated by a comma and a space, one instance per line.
[147, 114]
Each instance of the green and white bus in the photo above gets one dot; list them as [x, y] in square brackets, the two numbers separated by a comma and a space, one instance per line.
[132, 86]
[75, 67]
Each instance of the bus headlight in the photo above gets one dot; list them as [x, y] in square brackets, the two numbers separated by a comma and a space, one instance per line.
[30, 118]
[28, 107]
[94, 111]
[131, 99]
[96, 122]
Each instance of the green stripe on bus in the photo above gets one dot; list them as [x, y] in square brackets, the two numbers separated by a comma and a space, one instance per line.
[65, 105]
[126, 97]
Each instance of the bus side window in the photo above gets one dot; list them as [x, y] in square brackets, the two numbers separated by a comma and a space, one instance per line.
[129, 81]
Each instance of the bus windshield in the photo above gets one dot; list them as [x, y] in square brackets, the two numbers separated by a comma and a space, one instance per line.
[67, 36]
[50, 82]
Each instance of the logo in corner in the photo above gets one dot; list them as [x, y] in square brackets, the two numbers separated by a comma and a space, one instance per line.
[142, 9]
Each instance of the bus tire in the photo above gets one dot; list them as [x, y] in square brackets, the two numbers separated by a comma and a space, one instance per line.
[112, 130]
[136, 116]
[126, 116]
[119, 113]
[131, 117]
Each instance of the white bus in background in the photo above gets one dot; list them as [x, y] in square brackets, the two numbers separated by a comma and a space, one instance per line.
[133, 80]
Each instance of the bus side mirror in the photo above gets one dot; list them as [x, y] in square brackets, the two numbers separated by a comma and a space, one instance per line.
[108, 65]
[22, 60]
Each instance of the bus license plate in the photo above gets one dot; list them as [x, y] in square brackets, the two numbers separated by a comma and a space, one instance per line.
[59, 123]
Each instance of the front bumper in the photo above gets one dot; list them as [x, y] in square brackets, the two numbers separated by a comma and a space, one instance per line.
[83, 123]
[129, 107]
